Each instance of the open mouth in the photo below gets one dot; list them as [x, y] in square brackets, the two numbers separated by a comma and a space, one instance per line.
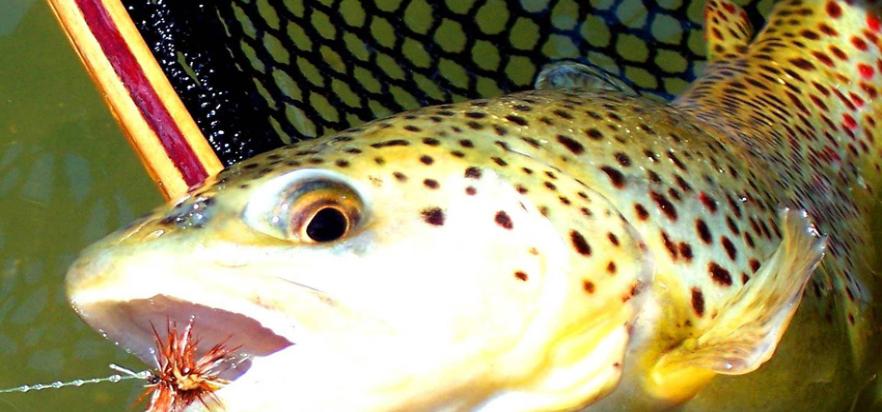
[133, 324]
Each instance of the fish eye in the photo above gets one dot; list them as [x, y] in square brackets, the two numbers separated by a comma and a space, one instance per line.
[315, 209]
[326, 225]
[322, 212]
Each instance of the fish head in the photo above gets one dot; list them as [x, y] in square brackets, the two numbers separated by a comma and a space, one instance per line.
[352, 279]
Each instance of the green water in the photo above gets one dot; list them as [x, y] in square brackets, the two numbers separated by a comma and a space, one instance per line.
[67, 177]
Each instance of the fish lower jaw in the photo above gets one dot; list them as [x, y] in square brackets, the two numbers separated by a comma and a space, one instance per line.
[136, 324]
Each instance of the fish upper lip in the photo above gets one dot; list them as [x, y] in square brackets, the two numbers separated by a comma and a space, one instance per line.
[121, 290]
[131, 324]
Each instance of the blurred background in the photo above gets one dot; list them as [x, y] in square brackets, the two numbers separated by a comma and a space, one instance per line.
[67, 177]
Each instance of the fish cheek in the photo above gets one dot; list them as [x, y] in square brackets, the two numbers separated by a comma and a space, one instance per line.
[455, 259]
[457, 285]
[593, 275]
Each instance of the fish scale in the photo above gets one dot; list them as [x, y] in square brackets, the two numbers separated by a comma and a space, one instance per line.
[549, 249]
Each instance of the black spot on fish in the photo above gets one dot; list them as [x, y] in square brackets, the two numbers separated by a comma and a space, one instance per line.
[615, 176]
[571, 145]
[719, 274]
[698, 302]
[433, 216]
[473, 172]
[579, 243]
[388, 143]
[518, 120]
[502, 219]
[588, 286]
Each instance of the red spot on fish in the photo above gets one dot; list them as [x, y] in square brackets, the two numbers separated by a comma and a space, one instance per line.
[856, 99]
[866, 71]
[848, 121]
[873, 23]
[708, 202]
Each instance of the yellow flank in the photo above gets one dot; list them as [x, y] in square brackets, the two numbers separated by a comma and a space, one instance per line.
[544, 250]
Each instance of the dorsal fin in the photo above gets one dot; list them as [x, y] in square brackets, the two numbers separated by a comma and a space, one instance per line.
[568, 75]
[752, 322]
[727, 28]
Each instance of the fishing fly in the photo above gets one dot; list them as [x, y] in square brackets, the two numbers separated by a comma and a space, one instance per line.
[182, 376]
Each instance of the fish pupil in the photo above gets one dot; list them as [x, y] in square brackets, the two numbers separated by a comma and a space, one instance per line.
[328, 224]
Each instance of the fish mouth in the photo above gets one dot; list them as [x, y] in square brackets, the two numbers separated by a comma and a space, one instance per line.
[136, 325]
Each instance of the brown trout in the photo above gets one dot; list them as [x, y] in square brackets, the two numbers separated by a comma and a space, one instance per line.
[557, 249]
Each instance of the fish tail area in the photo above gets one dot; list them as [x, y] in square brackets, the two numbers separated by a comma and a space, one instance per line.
[800, 103]
[812, 76]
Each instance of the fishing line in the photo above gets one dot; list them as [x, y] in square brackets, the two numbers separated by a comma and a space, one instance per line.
[124, 375]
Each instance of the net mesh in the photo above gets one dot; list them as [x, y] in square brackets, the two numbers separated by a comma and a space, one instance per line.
[257, 74]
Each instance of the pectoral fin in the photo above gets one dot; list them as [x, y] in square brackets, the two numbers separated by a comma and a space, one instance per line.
[750, 325]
